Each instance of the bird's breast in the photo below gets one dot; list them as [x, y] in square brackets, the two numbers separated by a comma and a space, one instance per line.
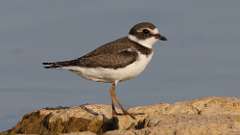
[136, 67]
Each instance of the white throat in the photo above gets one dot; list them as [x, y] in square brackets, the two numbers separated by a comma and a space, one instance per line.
[149, 42]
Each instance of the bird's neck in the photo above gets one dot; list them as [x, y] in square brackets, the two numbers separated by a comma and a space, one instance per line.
[149, 42]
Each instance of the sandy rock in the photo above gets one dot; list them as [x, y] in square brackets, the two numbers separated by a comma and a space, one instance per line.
[204, 116]
[59, 120]
[80, 133]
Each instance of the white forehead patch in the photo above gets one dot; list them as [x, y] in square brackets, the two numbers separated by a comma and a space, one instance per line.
[155, 31]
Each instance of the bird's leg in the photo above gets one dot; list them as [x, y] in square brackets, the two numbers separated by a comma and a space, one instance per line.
[111, 91]
[115, 100]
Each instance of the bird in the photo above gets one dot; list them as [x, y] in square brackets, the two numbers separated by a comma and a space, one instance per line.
[116, 61]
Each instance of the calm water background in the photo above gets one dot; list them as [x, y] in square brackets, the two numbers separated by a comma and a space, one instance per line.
[201, 57]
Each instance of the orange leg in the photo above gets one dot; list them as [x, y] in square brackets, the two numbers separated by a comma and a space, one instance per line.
[116, 101]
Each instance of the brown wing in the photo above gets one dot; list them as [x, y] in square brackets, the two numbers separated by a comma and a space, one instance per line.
[112, 47]
[109, 60]
[115, 55]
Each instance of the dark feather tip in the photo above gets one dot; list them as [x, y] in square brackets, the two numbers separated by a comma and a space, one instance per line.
[49, 65]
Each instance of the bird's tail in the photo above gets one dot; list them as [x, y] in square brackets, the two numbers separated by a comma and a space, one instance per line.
[52, 65]
[59, 64]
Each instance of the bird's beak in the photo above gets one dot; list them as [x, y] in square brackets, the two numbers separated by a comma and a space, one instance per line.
[160, 37]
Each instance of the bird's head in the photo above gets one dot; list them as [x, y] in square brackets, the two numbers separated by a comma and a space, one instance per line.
[146, 34]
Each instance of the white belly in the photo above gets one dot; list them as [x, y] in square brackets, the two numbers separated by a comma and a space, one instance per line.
[109, 75]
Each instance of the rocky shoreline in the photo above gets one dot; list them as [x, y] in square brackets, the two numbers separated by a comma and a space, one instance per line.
[204, 116]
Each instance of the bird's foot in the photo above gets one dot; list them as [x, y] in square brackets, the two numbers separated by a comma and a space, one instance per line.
[132, 115]
[129, 114]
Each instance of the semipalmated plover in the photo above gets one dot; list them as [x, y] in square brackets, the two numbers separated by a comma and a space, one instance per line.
[116, 61]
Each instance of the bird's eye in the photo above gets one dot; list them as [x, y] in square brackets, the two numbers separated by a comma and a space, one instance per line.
[145, 31]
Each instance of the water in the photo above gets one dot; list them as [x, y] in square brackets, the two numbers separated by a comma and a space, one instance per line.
[201, 57]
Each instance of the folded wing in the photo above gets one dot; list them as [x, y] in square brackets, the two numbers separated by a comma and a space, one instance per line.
[114, 60]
